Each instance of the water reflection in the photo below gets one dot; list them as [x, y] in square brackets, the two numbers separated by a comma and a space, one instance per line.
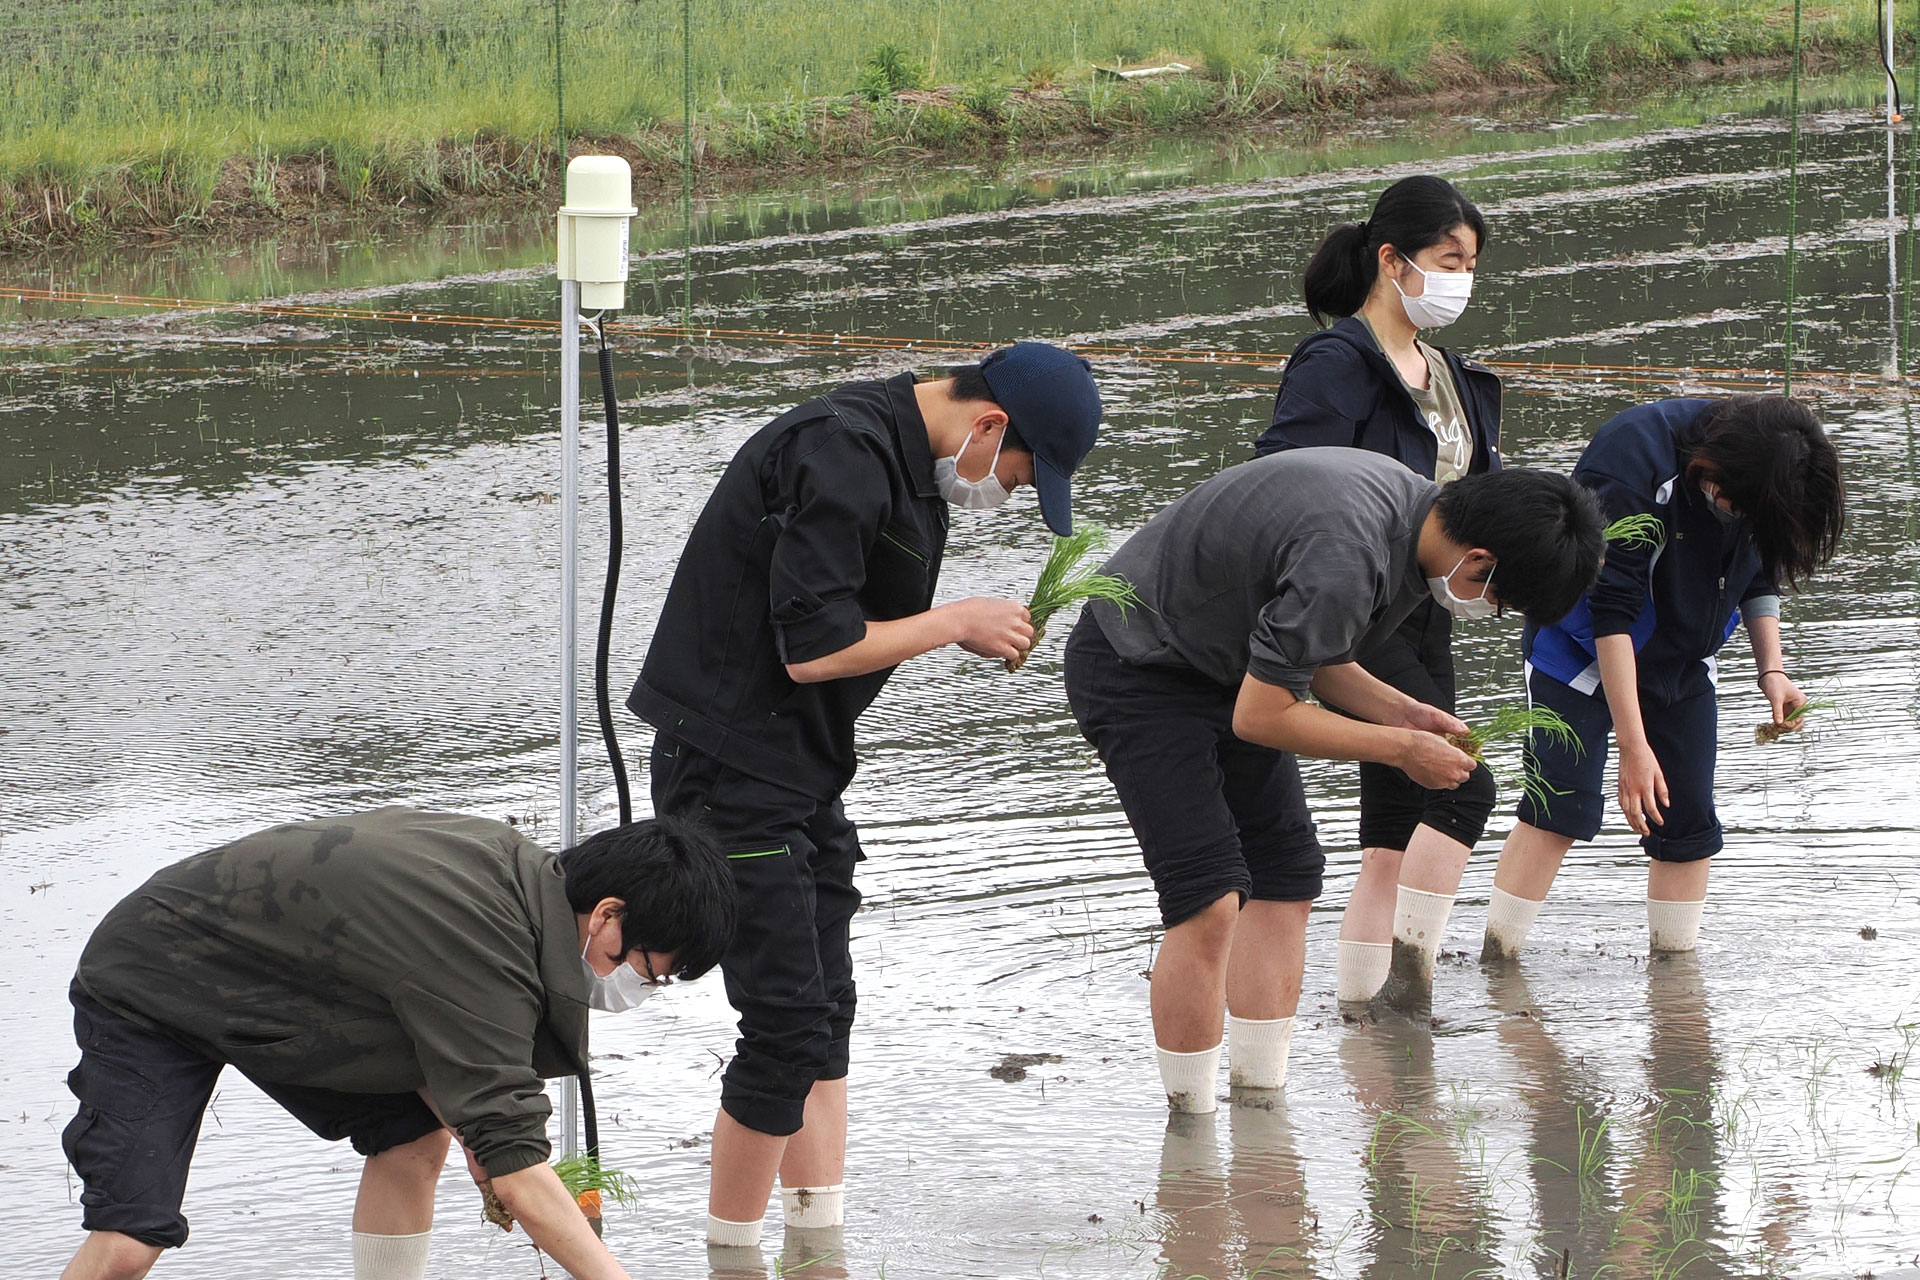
[1243, 1211]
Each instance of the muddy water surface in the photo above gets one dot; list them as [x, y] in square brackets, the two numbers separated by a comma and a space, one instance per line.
[261, 570]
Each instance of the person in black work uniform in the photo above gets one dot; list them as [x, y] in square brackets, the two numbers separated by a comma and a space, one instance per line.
[1732, 498]
[807, 579]
[1369, 382]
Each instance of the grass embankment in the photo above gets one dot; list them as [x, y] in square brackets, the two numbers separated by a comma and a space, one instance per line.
[175, 113]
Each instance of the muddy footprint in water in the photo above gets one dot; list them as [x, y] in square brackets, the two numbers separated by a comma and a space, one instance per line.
[1013, 1066]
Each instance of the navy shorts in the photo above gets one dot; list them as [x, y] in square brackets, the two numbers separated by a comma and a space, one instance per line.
[1683, 732]
[1214, 814]
[142, 1096]
[789, 970]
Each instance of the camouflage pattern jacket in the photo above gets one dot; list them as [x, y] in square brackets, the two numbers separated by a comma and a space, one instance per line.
[379, 953]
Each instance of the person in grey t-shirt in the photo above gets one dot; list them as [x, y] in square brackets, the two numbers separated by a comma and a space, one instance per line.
[1257, 588]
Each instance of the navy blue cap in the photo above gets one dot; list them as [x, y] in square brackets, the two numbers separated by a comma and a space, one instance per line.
[1051, 401]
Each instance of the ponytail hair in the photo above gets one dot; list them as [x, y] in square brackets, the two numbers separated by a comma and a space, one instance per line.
[1411, 215]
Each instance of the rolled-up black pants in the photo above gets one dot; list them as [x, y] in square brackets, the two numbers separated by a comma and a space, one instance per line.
[789, 972]
[1213, 814]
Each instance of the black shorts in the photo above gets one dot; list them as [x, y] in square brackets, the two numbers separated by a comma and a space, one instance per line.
[142, 1096]
[1417, 659]
[1213, 814]
[789, 971]
[1683, 733]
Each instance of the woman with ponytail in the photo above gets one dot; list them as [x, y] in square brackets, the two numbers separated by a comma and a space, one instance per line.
[1368, 382]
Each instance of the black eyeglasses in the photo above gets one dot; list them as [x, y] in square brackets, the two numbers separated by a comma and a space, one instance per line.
[658, 980]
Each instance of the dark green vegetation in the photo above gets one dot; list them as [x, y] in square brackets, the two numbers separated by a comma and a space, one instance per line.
[174, 113]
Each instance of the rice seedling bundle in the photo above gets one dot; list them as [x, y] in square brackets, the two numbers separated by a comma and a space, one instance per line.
[586, 1180]
[1066, 579]
[1519, 721]
[1796, 721]
[1637, 531]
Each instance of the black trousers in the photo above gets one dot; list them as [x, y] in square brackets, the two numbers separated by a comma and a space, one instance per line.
[1417, 659]
[789, 972]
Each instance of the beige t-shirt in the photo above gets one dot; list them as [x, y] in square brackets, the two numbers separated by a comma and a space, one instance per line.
[1440, 405]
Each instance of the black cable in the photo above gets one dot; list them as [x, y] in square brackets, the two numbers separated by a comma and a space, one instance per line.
[616, 536]
[590, 1121]
[1880, 29]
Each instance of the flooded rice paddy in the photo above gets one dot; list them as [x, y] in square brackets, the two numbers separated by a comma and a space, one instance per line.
[263, 569]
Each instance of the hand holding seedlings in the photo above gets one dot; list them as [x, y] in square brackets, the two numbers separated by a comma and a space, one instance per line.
[1433, 761]
[1786, 701]
[988, 627]
[1792, 719]
[1431, 719]
[1063, 581]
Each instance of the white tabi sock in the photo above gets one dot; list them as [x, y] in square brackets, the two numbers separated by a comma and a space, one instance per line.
[390, 1257]
[1510, 918]
[733, 1235]
[1361, 970]
[1420, 920]
[1189, 1080]
[1257, 1052]
[813, 1207]
[1673, 926]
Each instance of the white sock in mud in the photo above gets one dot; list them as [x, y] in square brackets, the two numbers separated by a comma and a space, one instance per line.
[1510, 918]
[1257, 1052]
[1420, 921]
[390, 1257]
[1673, 926]
[733, 1235]
[813, 1207]
[1189, 1079]
[1361, 969]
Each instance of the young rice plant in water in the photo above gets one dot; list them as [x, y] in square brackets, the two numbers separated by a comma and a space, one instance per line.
[1065, 579]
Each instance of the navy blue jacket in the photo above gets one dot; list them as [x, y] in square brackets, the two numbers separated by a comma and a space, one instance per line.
[1677, 595]
[1339, 388]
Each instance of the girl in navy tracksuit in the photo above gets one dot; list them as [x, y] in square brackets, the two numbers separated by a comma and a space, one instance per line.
[1742, 494]
[1368, 382]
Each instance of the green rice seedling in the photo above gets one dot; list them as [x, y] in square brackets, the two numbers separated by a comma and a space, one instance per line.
[586, 1180]
[1518, 721]
[582, 1175]
[1065, 579]
[1636, 532]
[1770, 732]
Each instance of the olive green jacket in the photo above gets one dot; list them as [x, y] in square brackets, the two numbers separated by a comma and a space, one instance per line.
[384, 952]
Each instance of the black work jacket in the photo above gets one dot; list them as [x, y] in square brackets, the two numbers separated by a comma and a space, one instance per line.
[1339, 388]
[828, 517]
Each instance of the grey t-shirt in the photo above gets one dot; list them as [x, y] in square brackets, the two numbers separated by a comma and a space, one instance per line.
[1275, 568]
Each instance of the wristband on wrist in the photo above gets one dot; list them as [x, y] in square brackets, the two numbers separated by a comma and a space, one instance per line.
[1771, 671]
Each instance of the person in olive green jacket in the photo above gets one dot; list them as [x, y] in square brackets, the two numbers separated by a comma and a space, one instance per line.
[396, 978]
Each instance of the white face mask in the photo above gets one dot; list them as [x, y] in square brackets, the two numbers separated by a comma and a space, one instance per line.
[1467, 610]
[970, 495]
[1445, 297]
[619, 991]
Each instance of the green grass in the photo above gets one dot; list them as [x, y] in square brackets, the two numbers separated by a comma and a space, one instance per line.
[122, 113]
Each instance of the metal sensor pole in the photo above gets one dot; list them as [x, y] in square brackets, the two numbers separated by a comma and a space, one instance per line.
[592, 245]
